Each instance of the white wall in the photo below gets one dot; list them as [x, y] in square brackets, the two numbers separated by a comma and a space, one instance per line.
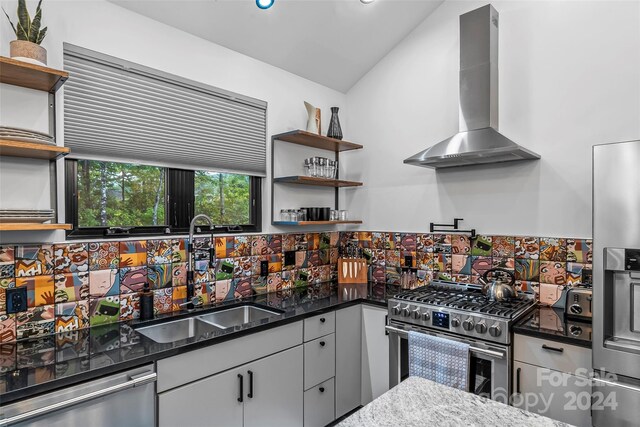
[569, 78]
[112, 30]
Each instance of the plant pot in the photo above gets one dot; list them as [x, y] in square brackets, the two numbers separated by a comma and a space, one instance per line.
[32, 53]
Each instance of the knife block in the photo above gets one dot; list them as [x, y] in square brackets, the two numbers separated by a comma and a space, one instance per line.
[352, 270]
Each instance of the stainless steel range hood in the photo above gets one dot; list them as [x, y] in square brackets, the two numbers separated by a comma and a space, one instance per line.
[478, 141]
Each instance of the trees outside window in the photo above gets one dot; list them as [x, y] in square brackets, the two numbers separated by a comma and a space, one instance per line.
[224, 197]
[106, 195]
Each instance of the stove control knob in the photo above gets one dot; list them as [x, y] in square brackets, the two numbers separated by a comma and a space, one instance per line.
[396, 309]
[481, 327]
[416, 314]
[406, 312]
[495, 330]
[455, 322]
[426, 316]
[467, 325]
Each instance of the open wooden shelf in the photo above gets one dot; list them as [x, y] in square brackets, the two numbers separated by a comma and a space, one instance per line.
[316, 222]
[302, 137]
[23, 226]
[32, 76]
[312, 180]
[9, 147]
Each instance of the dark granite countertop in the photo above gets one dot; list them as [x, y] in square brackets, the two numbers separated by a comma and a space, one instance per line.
[551, 323]
[36, 366]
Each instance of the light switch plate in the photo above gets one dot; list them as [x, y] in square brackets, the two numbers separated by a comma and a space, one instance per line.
[289, 258]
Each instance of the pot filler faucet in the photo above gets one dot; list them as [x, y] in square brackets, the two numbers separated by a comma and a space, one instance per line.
[191, 301]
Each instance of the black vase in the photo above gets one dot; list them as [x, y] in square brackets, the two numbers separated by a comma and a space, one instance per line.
[335, 131]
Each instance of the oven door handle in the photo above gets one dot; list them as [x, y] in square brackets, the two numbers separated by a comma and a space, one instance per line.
[492, 353]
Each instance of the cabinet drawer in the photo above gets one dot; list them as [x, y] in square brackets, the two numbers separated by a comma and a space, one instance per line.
[551, 354]
[319, 360]
[317, 326]
[319, 405]
[554, 394]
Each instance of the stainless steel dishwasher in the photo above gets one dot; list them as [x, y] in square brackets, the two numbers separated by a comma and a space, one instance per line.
[123, 399]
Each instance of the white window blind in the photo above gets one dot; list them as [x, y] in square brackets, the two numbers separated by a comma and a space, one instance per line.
[120, 111]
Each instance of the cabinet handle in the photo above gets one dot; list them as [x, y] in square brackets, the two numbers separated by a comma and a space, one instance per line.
[322, 320]
[250, 395]
[556, 349]
[241, 387]
[322, 343]
[518, 380]
[321, 389]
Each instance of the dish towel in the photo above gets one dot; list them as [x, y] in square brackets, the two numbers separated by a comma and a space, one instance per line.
[439, 359]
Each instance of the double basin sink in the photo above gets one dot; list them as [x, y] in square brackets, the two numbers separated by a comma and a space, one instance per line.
[204, 324]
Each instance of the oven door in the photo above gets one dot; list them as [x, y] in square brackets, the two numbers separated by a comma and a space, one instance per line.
[489, 367]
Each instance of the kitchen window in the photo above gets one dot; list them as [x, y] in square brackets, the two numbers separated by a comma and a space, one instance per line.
[114, 198]
[150, 150]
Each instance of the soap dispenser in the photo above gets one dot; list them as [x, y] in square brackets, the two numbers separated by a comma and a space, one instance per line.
[146, 303]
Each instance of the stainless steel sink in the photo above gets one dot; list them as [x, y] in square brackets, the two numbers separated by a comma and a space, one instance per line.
[177, 330]
[237, 316]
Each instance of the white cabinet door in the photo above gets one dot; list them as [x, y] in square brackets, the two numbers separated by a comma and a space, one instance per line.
[277, 393]
[553, 394]
[375, 353]
[212, 401]
[348, 358]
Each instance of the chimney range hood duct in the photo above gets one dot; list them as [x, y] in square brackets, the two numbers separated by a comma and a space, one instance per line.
[478, 141]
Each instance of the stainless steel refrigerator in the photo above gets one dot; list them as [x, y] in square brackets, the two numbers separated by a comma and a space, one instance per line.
[616, 284]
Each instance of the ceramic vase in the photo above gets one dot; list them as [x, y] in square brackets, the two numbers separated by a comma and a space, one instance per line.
[334, 131]
[313, 121]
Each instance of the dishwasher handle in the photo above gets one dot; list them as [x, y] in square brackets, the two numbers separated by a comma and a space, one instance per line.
[134, 381]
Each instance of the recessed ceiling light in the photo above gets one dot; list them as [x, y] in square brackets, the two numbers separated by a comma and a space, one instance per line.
[264, 4]
[366, 1]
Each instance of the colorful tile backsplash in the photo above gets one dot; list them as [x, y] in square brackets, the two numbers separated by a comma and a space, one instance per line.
[72, 286]
[540, 264]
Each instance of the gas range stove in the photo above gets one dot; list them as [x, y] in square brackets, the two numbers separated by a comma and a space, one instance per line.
[459, 309]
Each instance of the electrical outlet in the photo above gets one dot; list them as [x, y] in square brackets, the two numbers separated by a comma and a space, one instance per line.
[16, 300]
[264, 268]
[289, 258]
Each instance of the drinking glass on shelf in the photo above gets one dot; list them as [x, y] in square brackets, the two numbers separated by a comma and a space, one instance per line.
[322, 167]
[307, 167]
[333, 215]
[301, 215]
[331, 169]
[342, 215]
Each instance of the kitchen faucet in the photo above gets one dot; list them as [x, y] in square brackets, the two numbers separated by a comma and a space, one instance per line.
[191, 264]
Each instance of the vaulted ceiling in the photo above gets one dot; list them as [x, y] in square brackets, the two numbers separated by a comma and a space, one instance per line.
[331, 42]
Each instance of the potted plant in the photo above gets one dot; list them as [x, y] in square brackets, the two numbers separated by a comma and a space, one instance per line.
[27, 47]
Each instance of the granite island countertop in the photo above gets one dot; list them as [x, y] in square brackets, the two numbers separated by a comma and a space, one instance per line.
[39, 365]
[420, 402]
